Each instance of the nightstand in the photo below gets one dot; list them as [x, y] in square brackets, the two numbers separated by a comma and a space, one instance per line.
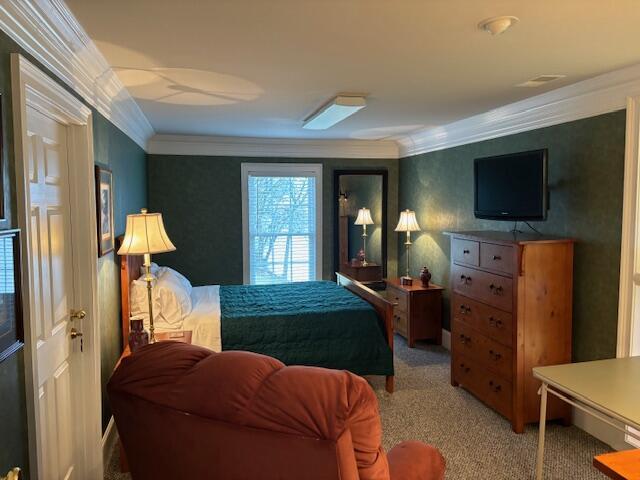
[418, 311]
[371, 272]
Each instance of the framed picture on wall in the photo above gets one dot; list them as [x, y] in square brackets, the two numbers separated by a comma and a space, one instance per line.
[104, 205]
[11, 328]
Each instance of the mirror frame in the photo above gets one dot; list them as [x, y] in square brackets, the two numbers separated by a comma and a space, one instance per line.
[336, 213]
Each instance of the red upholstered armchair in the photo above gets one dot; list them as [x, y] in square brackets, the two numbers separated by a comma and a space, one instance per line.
[185, 412]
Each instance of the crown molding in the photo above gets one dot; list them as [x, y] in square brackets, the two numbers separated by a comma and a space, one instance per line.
[602, 94]
[270, 147]
[48, 31]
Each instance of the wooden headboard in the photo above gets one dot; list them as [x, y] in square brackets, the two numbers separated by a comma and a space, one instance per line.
[129, 271]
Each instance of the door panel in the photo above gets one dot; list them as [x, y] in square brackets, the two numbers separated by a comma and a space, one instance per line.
[51, 296]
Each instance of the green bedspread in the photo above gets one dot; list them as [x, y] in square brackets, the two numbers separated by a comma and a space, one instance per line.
[308, 323]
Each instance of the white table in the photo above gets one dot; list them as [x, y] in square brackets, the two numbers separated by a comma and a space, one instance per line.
[607, 389]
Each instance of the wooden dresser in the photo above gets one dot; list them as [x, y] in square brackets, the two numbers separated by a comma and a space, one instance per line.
[511, 308]
[418, 311]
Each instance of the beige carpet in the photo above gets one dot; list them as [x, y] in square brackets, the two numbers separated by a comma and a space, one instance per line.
[476, 442]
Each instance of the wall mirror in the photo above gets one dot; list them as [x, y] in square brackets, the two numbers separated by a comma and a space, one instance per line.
[360, 198]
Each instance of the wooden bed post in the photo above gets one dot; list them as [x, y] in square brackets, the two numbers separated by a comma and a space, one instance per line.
[382, 306]
[129, 271]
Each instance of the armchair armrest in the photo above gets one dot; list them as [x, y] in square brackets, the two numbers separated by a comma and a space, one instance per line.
[415, 461]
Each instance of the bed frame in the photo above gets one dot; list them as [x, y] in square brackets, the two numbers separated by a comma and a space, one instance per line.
[382, 306]
[130, 270]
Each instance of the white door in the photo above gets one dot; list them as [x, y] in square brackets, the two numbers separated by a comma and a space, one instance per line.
[51, 296]
[56, 211]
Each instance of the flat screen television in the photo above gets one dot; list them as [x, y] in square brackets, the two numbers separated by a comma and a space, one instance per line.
[511, 187]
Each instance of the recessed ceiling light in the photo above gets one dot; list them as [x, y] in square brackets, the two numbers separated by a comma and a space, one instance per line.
[334, 111]
[540, 80]
[498, 25]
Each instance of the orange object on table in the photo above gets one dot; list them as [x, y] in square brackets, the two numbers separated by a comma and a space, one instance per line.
[623, 465]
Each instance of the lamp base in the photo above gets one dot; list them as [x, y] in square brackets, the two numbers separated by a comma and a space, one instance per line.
[406, 280]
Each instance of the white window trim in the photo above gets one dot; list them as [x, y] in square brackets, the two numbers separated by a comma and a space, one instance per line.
[285, 170]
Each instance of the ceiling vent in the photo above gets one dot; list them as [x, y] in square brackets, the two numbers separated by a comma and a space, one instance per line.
[540, 80]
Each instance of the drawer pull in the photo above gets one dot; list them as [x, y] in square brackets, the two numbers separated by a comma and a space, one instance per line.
[465, 310]
[497, 257]
[465, 368]
[466, 252]
[495, 387]
[495, 355]
[465, 279]
[464, 339]
[494, 322]
[496, 289]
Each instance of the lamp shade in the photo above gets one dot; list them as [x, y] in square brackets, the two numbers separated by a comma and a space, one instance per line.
[364, 217]
[145, 234]
[408, 222]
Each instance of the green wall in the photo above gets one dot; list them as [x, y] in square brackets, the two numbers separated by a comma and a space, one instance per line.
[364, 191]
[586, 162]
[201, 203]
[128, 162]
[112, 149]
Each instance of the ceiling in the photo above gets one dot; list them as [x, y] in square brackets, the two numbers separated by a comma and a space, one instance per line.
[257, 68]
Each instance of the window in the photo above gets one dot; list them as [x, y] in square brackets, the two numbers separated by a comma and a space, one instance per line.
[282, 222]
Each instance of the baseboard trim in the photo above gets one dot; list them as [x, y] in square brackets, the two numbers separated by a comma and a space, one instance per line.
[109, 439]
[446, 339]
[600, 430]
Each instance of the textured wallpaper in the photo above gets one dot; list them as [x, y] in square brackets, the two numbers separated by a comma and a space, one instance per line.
[201, 202]
[128, 162]
[586, 163]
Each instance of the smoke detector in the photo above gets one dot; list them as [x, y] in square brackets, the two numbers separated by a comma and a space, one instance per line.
[498, 25]
[540, 80]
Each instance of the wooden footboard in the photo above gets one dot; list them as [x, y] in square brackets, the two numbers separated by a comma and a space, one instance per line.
[383, 307]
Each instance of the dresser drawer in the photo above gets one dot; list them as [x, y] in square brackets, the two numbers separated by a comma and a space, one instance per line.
[465, 251]
[494, 323]
[494, 290]
[489, 388]
[400, 324]
[465, 340]
[496, 257]
[482, 349]
[400, 297]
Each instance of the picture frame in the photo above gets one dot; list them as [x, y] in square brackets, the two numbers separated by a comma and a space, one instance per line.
[11, 326]
[104, 210]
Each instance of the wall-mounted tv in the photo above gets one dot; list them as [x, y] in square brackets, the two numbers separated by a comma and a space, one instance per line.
[511, 187]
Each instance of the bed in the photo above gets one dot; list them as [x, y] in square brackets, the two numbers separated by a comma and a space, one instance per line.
[341, 325]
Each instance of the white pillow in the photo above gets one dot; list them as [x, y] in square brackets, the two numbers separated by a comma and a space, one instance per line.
[138, 299]
[171, 295]
[156, 271]
[154, 268]
[178, 276]
[174, 293]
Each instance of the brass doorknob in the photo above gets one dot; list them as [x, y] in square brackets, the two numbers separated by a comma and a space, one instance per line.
[79, 314]
[74, 333]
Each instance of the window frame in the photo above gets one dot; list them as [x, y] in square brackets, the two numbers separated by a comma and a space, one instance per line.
[279, 170]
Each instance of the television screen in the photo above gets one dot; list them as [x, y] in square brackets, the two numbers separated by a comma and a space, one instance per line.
[511, 187]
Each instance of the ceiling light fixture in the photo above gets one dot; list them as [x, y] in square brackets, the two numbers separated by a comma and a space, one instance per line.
[334, 111]
[498, 25]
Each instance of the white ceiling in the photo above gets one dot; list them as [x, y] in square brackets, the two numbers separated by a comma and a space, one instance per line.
[258, 68]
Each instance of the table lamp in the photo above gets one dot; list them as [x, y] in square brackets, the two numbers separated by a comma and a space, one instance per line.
[364, 219]
[407, 223]
[145, 235]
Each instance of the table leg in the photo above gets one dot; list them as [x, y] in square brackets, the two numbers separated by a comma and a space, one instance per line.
[541, 431]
